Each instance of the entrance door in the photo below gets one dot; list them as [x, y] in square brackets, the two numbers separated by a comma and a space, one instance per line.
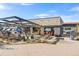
[52, 31]
[49, 31]
[27, 29]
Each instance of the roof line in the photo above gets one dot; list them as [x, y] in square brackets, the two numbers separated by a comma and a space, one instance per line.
[71, 22]
[45, 18]
[21, 19]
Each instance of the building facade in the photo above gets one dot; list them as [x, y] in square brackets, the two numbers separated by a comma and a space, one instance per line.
[41, 26]
[71, 26]
[51, 26]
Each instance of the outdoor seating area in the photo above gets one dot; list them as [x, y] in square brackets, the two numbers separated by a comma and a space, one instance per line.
[21, 30]
[16, 29]
[8, 38]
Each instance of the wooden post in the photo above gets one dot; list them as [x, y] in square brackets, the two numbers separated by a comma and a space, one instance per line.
[31, 30]
[42, 30]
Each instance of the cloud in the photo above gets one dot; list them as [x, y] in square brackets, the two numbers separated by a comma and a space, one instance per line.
[66, 18]
[52, 11]
[42, 15]
[70, 18]
[26, 4]
[4, 7]
[74, 8]
[47, 14]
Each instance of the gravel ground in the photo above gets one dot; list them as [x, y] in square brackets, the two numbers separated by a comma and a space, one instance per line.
[62, 48]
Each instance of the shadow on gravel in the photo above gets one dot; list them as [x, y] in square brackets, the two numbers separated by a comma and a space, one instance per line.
[4, 47]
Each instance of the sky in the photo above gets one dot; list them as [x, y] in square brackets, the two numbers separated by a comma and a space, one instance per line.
[69, 12]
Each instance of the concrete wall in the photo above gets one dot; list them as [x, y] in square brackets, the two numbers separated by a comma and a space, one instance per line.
[58, 30]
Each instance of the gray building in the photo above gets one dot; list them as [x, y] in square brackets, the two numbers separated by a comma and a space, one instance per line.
[41, 26]
[52, 25]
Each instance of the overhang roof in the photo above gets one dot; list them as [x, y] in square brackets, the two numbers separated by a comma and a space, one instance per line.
[7, 20]
[71, 22]
[51, 21]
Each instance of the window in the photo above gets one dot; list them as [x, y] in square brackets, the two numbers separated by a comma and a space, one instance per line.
[67, 28]
[35, 29]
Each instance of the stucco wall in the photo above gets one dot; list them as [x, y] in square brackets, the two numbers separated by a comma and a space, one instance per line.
[78, 28]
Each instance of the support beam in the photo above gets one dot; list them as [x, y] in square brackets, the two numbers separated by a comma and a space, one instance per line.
[31, 30]
[42, 30]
